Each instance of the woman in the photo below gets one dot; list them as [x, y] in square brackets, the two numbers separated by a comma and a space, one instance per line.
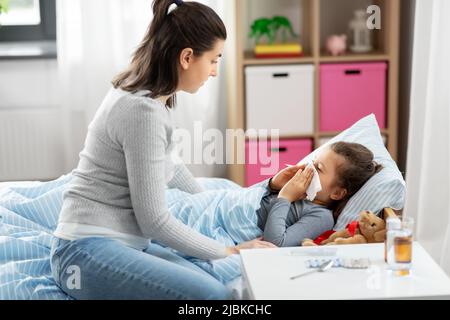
[116, 200]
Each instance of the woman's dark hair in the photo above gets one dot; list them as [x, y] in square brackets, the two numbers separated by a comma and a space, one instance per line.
[154, 65]
[359, 167]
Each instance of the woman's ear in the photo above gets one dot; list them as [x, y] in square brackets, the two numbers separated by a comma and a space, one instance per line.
[186, 57]
[338, 194]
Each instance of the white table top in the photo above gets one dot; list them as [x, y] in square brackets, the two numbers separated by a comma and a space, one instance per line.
[266, 275]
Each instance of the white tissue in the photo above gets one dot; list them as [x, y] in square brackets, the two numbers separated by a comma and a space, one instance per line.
[315, 185]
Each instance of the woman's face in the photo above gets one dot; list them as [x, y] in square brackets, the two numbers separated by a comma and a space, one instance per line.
[194, 71]
[327, 163]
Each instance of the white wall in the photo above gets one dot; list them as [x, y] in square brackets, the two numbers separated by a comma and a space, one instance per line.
[28, 84]
[29, 104]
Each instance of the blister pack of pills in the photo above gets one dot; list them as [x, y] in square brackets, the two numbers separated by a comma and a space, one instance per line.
[348, 263]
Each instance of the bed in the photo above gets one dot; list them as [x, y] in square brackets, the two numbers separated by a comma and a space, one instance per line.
[24, 253]
[30, 213]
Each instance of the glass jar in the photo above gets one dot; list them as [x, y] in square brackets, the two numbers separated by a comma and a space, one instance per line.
[360, 34]
[399, 246]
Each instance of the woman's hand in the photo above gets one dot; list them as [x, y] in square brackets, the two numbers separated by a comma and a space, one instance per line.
[295, 189]
[282, 177]
[252, 244]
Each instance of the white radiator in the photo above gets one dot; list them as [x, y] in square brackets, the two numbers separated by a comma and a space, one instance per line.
[31, 145]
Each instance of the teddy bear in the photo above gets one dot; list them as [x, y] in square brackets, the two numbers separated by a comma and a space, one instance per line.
[368, 229]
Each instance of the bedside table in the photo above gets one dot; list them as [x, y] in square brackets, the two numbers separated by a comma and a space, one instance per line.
[266, 275]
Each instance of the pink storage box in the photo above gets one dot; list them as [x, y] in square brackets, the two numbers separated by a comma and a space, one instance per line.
[349, 92]
[264, 159]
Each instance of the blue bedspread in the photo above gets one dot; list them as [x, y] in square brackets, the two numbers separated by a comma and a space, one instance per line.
[30, 212]
[227, 215]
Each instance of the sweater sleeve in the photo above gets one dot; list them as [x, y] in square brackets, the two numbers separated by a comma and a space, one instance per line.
[184, 180]
[275, 227]
[141, 130]
[266, 185]
[311, 225]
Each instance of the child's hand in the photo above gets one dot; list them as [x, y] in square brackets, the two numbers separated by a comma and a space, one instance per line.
[295, 189]
[282, 177]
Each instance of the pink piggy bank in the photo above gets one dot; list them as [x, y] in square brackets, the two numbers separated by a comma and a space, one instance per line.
[336, 44]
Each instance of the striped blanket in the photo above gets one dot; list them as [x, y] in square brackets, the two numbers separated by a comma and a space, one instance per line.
[30, 212]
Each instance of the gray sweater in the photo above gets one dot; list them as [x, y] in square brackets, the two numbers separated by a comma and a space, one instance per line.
[123, 172]
[287, 224]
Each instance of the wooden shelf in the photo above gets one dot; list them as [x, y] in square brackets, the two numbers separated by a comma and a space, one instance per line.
[249, 59]
[353, 57]
[321, 134]
[324, 134]
[328, 134]
[318, 19]
[300, 136]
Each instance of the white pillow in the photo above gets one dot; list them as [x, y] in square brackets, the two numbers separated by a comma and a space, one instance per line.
[385, 189]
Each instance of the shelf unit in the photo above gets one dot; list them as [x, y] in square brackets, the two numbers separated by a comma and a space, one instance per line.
[314, 18]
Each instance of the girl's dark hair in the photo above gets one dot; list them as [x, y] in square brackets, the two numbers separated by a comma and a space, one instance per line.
[154, 65]
[359, 167]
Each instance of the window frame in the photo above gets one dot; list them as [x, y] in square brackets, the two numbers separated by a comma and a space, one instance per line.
[45, 31]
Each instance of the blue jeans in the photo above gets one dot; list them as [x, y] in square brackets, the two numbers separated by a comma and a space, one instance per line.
[102, 268]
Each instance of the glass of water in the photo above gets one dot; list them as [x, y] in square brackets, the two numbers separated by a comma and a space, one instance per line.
[403, 243]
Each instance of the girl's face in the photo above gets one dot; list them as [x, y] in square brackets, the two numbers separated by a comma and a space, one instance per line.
[194, 71]
[327, 163]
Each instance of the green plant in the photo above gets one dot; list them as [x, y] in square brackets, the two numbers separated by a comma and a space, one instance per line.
[271, 28]
[4, 4]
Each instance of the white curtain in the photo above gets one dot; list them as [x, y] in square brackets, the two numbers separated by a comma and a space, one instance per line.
[428, 167]
[95, 41]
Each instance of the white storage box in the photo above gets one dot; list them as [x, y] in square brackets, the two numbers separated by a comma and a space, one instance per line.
[280, 97]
